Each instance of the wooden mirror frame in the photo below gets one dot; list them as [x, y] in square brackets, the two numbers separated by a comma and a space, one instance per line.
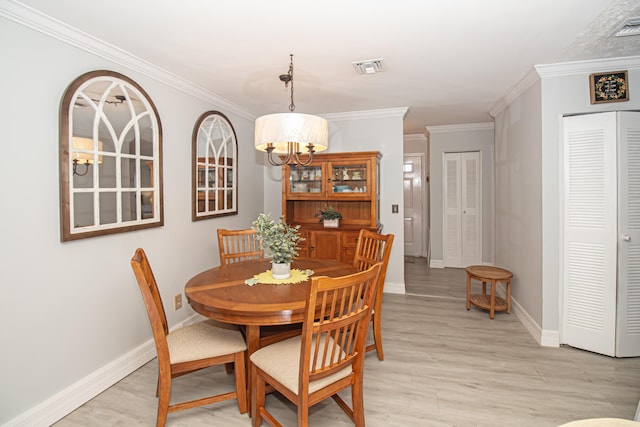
[214, 173]
[110, 205]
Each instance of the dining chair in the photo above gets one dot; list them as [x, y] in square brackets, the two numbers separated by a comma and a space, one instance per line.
[189, 348]
[329, 355]
[372, 248]
[238, 245]
[242, 245]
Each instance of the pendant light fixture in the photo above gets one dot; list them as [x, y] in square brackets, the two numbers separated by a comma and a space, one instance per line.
[291, 135]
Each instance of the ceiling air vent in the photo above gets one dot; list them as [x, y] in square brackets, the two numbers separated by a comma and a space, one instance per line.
[630, 28]
[369, 66]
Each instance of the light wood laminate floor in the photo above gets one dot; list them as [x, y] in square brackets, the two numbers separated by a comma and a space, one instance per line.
[434, 282]
[444, 366]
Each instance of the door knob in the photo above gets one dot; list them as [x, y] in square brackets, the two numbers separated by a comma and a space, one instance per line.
[626, 238]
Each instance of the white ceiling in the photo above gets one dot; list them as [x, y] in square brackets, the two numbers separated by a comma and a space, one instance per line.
[448, 61]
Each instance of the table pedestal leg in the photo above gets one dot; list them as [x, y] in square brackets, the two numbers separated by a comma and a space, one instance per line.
[253, 343]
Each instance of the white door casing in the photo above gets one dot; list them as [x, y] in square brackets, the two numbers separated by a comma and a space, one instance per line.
[413, 205]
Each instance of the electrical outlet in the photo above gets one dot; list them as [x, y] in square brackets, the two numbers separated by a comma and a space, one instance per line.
[177, 302]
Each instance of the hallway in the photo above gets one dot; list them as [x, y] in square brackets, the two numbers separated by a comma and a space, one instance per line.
[422, 280]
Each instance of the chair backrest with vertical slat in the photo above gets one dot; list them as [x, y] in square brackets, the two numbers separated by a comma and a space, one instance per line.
[372, 248]
[153, 303]
[334, 331]
[238, 245]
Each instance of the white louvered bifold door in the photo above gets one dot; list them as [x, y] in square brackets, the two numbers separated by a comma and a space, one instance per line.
[462, 209]
[471, 210]
[452, 211]
[628, 326]
[590, 232]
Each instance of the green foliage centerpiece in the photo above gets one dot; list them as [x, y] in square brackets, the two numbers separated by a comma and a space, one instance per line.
[329, 217]
[280, 241]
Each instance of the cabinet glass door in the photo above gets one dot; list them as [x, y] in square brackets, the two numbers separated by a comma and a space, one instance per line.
[351, 178]
[305, 179]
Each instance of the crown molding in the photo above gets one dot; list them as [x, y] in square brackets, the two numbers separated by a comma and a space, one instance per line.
[415, 137]
[590, 66]
[563, 69]
[31, 18]
[518, 89]
[367, 114]
[459, 128]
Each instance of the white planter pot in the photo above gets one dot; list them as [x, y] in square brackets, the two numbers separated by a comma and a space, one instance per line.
[331, 223]
[280, 271]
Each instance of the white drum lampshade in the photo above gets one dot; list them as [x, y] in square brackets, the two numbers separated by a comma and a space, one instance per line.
[282, 130]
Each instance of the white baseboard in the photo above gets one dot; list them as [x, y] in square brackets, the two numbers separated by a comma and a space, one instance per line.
[439, 263]
[550, 338]
[394, 288]
[544, 338]
[74, 396]
[79, 393]
[436, 263]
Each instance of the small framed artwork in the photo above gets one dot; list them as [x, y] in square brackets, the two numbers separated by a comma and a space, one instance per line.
[609, 87]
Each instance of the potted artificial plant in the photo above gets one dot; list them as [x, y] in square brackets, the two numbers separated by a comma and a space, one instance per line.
[330, 217]
[280, 241]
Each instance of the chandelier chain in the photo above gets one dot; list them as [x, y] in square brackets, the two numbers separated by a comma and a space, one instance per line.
[305, 134]
[292, 106]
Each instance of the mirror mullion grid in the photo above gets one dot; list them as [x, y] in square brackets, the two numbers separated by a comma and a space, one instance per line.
[108, 102]
[214, 152]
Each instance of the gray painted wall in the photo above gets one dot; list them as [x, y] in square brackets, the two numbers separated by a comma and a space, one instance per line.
[518, 198]
[73, 308]
[416, 144]
[564, 95]
[81, 307]
[529, 172]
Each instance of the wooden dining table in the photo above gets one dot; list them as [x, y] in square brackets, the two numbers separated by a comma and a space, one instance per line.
[220, 293]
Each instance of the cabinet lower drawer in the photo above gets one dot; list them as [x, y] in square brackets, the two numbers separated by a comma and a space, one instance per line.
[327, 243]
[350, 238]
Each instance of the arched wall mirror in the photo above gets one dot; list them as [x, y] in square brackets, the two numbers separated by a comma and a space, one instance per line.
[110, 157]
[215, 167]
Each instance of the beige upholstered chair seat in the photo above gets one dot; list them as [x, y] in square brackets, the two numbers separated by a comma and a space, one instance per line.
[602, 422]
[329, 355]
[203, 340]
[189, 349]
[282, 361]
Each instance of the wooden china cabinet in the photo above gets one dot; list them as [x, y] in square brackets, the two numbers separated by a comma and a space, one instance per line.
[350, 183]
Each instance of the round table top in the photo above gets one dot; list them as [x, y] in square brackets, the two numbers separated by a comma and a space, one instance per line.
[220, 293]
[489, 272]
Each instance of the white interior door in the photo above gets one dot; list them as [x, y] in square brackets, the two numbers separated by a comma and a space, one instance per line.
[452, 229]
[462, 209]
[590, 235]
[628, 298]
[413, 202]
[471, 209]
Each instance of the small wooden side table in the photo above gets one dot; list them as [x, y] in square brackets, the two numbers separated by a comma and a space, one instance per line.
[491, 302]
